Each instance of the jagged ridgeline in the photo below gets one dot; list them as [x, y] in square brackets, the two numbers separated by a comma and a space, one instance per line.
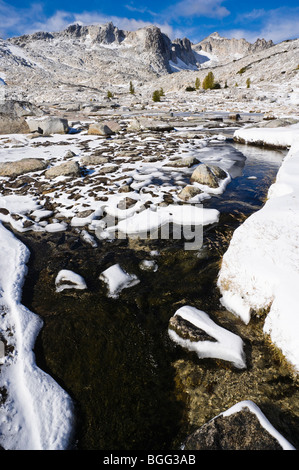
[99, 54]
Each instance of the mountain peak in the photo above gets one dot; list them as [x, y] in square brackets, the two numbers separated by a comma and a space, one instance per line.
[215, 35]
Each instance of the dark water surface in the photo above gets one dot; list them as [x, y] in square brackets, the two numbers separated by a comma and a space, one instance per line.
[114, 357]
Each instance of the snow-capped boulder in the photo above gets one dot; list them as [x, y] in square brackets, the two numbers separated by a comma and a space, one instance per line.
[117, 279]
[241, 427]
[194, 330]
[67, 279]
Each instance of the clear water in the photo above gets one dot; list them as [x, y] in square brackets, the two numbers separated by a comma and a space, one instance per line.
[114, 357]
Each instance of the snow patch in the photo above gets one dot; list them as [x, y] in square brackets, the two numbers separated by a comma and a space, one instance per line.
[37, 414]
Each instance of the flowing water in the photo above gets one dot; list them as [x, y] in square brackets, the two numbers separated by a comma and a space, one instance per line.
[133, 388]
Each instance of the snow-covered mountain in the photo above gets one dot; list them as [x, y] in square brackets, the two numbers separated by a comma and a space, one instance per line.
[77, 45]
[215, 49]
[82, 61]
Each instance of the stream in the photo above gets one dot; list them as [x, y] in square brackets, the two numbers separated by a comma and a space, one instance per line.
[133, 388]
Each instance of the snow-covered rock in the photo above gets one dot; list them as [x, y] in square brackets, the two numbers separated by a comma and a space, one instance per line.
[260, 269]
[67, 279]
[117, 279]
[214, 341]
[242, 427]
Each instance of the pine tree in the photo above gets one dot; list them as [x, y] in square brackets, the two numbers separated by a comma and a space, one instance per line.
[157, 95]
[197, 83]
[132, 89]
[208, 81]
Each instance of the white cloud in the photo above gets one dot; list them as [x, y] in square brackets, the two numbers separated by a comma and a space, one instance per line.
[14, 19]
[198, 8]
[252, 15]
[32, 19]
[279, 24]
[56, 22]
[140, 9]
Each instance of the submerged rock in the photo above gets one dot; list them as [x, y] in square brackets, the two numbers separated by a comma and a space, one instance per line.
[148, 265]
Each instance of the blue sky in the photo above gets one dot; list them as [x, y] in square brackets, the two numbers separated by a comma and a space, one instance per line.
[195, 19]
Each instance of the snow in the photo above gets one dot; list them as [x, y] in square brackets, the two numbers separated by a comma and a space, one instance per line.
[56, 227]
[67, 279]
[260, 270]
[148, 265]
[40, 214]
[253, 408]
[142, 176]
[180, 65]
[82, 221]
[228, 346]
[280, 137]
[151, 219]
[117, 279]
[19, 204]
[38, 413]
[206, 58]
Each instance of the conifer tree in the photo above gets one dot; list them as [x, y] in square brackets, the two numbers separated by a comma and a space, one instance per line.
[208, 81]
[156, 95]
[132, 89]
